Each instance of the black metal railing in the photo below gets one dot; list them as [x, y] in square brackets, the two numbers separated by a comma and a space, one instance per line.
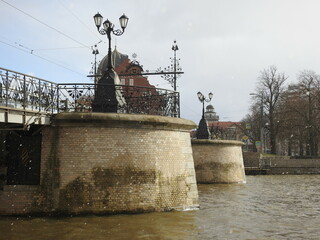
[131, 99]
[22, 91]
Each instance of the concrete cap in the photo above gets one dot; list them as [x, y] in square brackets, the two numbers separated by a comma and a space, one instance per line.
[123, 120]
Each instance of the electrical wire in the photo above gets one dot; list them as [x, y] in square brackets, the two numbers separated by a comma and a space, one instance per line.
[45, 59]
[50, 49]
[45, 24]
[14, 47]
[38, 49]
[75, 16]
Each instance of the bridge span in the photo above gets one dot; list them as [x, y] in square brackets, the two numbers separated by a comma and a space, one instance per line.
[29, 149]
[27, 100]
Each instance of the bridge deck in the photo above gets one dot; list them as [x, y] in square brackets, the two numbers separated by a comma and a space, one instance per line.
[25, 99]
[23, 116]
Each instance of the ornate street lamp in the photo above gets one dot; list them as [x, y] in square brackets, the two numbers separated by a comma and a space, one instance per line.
[202, 131]
[105, 95]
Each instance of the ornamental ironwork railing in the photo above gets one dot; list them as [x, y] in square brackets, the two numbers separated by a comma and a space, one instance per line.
[26, 92]
[131, 99]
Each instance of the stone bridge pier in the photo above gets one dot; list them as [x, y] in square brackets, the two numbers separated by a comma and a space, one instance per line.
[117, 163]
[218, 161]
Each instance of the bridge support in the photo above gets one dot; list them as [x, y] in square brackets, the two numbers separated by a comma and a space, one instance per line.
[113, 163]
[218, 161]
[107, 163]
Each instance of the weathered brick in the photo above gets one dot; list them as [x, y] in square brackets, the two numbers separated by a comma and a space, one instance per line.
[102, 163]
[218, 161]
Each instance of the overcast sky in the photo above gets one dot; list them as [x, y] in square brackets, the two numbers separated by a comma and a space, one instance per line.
[223, 44]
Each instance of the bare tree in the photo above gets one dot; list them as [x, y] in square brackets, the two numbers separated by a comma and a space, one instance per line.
[309, 83]
[292, 120]
[269, 90]
[253, 121]
[300, 114]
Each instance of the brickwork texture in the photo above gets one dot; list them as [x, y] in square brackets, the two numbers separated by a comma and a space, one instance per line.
[117, 163]
[218, 161]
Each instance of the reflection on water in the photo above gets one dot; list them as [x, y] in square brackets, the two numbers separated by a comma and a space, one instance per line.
[267, 207]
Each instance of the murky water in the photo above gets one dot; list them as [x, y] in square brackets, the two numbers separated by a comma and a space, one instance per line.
[267, 207]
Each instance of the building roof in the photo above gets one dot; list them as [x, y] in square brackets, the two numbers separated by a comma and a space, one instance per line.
[117, 59]
[210, 115]
[210, 108]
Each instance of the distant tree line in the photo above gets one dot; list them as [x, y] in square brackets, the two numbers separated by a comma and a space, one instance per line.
[286, 117]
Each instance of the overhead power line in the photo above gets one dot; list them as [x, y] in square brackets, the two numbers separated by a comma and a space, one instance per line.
[15, 47]
[79, 19]
[45, 59]
[51, 49]
[45, 24]
[39, 49]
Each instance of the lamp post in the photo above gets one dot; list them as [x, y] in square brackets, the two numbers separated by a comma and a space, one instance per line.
[202, 131]
[175, 48]
[95, 51]
[262, 142]
[105, 95]
[174, 69]
[309, 126]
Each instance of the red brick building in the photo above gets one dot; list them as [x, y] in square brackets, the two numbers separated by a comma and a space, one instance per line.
[123, 66]
[134, 89]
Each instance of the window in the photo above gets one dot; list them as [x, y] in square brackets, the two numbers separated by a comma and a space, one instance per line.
[131, 82]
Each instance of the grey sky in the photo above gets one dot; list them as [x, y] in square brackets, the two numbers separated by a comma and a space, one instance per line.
[223, 44]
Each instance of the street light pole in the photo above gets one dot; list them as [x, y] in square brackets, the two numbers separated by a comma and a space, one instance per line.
[95, 51]
[261, 120]
[105, 95]
[310, 148]
[261, 126]
[202, 131]
[175, 48]
[174, 68]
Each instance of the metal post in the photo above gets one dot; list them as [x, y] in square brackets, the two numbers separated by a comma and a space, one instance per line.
[261, 126]
[52, 98]
[39, 94]
[178, 95]
[203, 131]
[58, 99]
[175, 48]
[95, 52]
[24, 92]
[105, 95]
[7, 88]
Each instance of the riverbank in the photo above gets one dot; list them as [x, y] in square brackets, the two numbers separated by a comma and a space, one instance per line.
[257, 164]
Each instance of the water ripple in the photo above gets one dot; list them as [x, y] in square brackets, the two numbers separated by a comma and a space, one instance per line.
[267, 207]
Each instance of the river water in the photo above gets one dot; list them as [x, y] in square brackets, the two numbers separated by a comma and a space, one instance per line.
[267, 207]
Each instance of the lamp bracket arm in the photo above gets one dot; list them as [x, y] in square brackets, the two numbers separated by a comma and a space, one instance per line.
[117, 32]
[102, 31]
